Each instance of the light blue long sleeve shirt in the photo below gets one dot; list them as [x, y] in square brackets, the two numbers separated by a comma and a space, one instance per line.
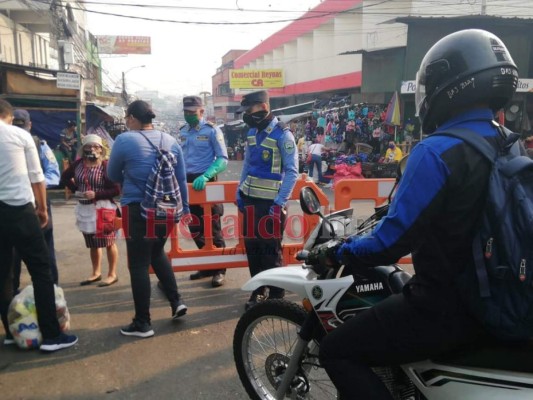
[201, 146]
[49, 164]
[131, 161]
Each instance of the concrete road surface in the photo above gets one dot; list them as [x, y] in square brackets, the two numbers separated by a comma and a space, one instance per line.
[187, 359]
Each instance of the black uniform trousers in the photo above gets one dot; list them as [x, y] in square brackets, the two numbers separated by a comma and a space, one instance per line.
[263, 234]
[20, 229]
[197, 227]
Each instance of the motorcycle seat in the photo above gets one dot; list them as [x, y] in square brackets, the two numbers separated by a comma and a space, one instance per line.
[506, 357]
[398, 280]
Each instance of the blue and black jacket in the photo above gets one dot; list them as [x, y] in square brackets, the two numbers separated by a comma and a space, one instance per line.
[434, 213]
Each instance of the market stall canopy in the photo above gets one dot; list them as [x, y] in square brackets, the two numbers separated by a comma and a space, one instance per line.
[288, 118]
[297, 108]
[116, 112]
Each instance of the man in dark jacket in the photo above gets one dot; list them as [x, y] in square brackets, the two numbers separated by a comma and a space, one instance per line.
[433, 216]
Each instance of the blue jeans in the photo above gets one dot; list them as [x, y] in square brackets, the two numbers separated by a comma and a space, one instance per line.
[316, 161]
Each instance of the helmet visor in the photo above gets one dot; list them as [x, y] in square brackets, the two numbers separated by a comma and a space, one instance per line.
[420, 93]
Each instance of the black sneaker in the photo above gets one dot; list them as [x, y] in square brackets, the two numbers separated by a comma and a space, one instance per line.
[179, 310]
[63, 341]
[201, 274]
[276, 293]
[8, 340]
[218, 279]
[137, 329]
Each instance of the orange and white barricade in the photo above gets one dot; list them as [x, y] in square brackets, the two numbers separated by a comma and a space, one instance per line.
[213, 258]
[347, 190]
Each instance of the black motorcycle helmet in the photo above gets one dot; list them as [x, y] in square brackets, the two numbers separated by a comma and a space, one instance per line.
[464, 68]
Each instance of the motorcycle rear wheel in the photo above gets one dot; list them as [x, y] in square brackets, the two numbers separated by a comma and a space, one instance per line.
[262, 346]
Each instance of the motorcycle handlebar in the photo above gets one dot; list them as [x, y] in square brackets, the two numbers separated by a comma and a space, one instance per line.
[302, 255]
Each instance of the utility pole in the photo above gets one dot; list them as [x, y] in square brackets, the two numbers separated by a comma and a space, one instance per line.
[483, 7]
[124, 93]
[57, 32]
[204, 94]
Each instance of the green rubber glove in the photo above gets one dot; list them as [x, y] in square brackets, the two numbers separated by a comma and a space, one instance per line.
[199, 183]
[217, 167]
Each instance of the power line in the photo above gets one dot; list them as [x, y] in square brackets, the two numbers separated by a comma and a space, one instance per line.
[319, 15]
[392, 11]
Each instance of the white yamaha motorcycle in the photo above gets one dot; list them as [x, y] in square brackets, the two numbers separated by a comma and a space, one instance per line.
[276, 342]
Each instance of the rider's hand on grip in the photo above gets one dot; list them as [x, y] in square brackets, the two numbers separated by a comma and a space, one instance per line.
[324, 254]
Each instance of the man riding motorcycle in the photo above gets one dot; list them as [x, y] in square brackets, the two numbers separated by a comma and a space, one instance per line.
[463, 80]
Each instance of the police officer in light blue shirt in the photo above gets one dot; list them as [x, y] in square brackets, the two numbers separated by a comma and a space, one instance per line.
[205, 154]
[268, 177]
[21, 118]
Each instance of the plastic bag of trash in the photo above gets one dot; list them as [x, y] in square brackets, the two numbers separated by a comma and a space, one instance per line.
[22, 317]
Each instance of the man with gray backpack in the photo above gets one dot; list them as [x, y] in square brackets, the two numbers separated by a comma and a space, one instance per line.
[149, 165]
[451, 213]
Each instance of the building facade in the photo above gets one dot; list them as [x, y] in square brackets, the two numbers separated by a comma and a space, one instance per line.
[49, 63]
[363, 47]
[224, 101]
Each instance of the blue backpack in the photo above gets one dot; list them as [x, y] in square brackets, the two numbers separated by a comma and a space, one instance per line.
[499, 290]
[162, 198]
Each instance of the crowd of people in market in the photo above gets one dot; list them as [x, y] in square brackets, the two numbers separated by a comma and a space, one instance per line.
[349, 136]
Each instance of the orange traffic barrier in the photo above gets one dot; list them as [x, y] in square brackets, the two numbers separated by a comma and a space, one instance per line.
[347, 190]
[211, 257]
[378, 190]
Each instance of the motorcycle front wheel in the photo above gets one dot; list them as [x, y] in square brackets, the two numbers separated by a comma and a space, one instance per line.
[262, 347]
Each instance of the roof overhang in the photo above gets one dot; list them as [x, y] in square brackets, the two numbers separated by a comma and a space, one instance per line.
[490, 18]
[368, 51]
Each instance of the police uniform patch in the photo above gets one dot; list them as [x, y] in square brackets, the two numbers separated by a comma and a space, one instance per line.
[265, 155]
[289, 146]
[220, 137]
[202, 138]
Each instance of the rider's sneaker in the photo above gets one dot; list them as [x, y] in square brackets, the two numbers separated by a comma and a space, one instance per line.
[276, 294]
[254, 299]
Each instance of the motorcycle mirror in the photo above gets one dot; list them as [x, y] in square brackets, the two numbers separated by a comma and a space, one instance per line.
[399, 172]
[401, 167]
[309, 201]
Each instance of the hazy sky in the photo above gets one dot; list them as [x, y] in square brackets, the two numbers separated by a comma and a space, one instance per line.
[185, 56]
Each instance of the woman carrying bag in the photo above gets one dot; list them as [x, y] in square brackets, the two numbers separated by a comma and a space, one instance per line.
[87, 179]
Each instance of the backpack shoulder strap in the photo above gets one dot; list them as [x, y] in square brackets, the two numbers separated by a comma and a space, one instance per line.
[157, 149]
[473, 139]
